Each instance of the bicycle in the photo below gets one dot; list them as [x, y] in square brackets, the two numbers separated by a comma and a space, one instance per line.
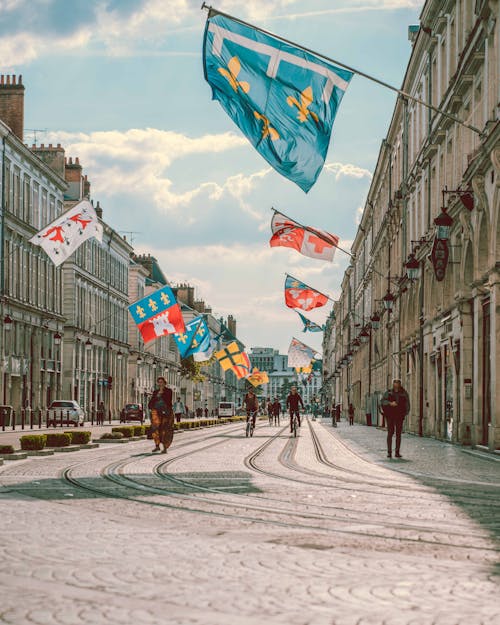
[250, 427]
[295, 424]
[270, 414]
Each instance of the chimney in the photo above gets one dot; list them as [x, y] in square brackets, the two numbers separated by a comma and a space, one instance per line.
[12, 103]
[231, 324]
[86, 187]
[51, 156]
[98, 210]
[74, 178]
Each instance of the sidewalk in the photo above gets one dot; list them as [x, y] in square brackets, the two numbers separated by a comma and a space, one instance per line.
[422, 456]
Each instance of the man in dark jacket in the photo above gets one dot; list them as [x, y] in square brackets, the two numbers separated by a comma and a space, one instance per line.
[395, 406]
[292, 402]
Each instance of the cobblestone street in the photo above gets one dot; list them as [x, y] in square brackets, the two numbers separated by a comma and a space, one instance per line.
[224, 529]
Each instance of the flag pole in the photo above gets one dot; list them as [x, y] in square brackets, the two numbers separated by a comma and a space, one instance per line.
[316, 232]
[310, 287]
[382, 83]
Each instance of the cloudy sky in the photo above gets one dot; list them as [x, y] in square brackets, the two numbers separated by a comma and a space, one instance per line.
[120, 84]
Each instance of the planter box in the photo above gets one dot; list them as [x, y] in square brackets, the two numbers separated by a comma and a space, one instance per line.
[41, 452]
[69, 448]
[110, 440]
[18, 455]
[89, 446]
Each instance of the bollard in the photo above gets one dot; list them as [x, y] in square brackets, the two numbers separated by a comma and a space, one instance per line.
[61, 418]
[31, 418]
[13, 417]
[23, 417]
[39, 418]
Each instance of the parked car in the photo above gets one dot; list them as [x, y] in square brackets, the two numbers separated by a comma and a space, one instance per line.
[132, 412]
[66, 409]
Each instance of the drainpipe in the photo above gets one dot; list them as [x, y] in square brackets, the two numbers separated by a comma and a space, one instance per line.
[421, 351]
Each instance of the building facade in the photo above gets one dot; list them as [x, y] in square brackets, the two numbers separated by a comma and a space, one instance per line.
[420, 299]
[31, 312]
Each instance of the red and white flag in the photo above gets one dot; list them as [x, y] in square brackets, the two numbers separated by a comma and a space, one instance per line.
[66, 233]
[306, 240]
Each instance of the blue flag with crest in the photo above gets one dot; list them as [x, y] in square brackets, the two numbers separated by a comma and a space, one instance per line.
[309, 325]
[282, 98]
[195, 338]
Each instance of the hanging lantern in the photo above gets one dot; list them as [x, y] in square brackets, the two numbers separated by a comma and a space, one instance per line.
[412, 267]
[443, 225]
[364, 335]
[388, 300]
[375, 319]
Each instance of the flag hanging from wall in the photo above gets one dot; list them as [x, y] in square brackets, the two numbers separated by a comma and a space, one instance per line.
[299, 354]
[234, 358]
[283, 98]
[64, 235]
[309, 325]
[195, 338]
[308, 241]
[300, 295]
[157, 314]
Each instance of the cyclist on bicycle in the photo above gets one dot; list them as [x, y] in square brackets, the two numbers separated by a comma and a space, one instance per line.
[251, 405]
[292, 402]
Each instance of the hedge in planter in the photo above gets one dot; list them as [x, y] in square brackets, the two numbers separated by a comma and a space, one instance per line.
[112, 435]
[33, 442]
[139, 430]
[6, 449]
[80, 437]
[126, 430]
[59, 439]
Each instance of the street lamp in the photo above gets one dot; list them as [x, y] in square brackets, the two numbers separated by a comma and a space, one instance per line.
[443, 225]
[119, 354]
[7, 322]
[57, 338]
[413, 267]
[88, 344]
[388, 301]
[375, 320]
[364, 335]
[139, 360]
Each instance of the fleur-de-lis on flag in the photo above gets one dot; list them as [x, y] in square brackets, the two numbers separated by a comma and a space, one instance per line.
[306, 99]
[232, 72]
[267, 129]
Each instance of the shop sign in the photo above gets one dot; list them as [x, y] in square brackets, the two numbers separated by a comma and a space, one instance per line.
[439, 257]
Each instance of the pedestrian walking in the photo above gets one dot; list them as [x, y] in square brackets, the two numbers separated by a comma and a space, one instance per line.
[276, 411]
[292, 402]
[162, 416]
[395, 406]
[101, 411]
[179, 409]
[350, 414]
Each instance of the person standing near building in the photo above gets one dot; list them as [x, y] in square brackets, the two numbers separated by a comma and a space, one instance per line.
[101, 412]
[292, 403]
[276, 410]
[395, 405]
[162, 416]
[179, 410]
[350, 413]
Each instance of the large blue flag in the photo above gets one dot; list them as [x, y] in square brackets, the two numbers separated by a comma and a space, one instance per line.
[282, 98]
[195, 338]
[309, 325]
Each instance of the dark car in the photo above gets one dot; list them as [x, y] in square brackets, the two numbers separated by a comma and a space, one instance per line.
[132, 412]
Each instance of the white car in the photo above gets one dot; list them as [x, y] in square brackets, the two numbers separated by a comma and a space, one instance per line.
[67, 409]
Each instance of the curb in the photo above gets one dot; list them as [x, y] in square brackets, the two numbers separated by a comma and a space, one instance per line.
[67, 449]
[18, 455]
[41, 452]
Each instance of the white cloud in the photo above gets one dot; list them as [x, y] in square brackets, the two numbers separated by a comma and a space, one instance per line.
[347, 169]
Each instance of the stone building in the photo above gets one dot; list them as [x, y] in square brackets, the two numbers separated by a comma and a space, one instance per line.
[31, 311]
[428, 246]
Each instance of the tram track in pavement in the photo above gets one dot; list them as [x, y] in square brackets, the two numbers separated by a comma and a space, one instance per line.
[115, 473]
